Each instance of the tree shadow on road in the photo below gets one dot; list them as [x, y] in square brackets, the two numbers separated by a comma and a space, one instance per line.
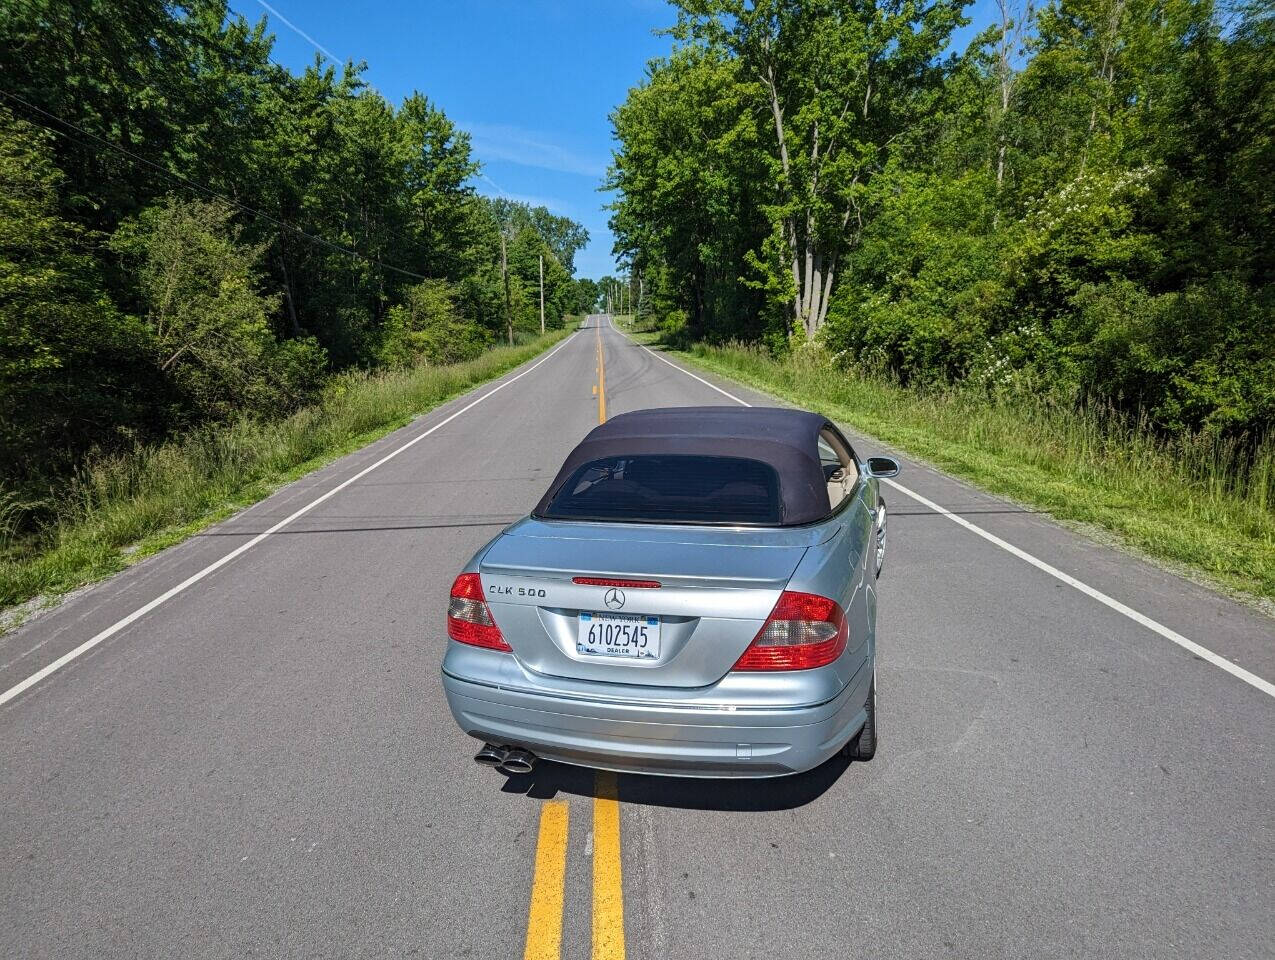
[751, 795]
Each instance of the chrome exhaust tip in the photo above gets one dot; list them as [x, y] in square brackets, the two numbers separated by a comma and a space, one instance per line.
[519, 761]
[491, 755]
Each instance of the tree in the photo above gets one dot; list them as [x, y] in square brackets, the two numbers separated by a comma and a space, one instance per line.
[525, 253]
[74, 371]
[1079, 206]
[585, 298]
[437, 166]
[266, 227]
[426, 327]
[209, 323]
[841, 81]
[691, 182]
[562, 235]
[1011, 31]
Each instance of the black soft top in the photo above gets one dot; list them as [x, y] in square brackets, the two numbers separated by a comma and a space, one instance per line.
[786, 440]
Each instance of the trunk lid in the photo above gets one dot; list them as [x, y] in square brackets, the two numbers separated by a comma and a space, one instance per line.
[717, 586]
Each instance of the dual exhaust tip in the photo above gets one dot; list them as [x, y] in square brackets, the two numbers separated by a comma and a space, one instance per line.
[507, 759]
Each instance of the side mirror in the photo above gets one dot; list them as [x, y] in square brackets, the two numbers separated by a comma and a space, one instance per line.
[880, 467]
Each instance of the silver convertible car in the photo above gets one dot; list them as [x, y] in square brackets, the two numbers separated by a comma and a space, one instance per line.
[695, 595]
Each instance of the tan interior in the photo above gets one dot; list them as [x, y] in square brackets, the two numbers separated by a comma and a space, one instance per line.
[843, 482]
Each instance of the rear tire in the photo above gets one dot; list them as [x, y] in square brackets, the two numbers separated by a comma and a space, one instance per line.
[863, 745]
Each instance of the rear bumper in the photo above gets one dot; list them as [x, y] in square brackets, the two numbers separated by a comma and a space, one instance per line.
[658, 738]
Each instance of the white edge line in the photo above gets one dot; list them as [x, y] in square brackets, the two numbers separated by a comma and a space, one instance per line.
[1173, 636]
[194, 578]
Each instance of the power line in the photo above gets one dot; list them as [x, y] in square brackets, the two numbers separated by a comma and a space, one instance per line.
[178, 178]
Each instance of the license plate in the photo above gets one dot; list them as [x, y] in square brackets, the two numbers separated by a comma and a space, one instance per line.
[619, 635]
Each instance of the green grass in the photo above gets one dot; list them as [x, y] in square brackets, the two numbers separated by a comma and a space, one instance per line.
[123, 508]
[1193, 502]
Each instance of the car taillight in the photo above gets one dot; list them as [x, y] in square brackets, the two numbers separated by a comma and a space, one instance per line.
[468, 619]
[802, 632]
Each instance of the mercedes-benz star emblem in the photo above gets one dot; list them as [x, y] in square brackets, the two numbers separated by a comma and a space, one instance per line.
[614, 599]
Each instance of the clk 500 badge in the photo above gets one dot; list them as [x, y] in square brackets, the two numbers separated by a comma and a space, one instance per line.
[515, 591]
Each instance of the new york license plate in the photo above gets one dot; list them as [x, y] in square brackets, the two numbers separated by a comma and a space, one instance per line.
[619, 635]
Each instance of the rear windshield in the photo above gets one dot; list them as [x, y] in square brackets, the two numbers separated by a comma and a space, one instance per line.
[670, 489]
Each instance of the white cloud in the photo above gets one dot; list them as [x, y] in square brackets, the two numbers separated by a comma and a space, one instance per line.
[530, 148]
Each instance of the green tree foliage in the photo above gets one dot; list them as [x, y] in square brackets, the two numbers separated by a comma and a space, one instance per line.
[1079, 205]
[585, 297]
[840, 82]
[564, 237]
[427, 327]
[527, 253]
[208, 322]
[265, 227]
[692, 177]
[73, 368]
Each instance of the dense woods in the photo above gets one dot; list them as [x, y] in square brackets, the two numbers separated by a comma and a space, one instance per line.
[191, 233]
[1075, 208]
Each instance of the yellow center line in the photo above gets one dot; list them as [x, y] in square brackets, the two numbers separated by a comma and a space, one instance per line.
[602, 379]
[544, 920]
[608, 888]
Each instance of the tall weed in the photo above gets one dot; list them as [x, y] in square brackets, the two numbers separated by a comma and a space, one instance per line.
[1195, 499]
[154, 495]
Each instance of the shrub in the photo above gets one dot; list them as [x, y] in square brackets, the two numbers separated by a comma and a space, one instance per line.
[427, 328]
[199, 286]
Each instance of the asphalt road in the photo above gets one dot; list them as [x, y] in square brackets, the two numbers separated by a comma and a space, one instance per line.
[263, 764]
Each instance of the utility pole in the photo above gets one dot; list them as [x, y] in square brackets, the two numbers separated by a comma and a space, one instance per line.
[504, 272]
[542, 294]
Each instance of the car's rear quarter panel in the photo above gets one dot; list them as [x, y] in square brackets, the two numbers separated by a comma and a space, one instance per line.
[840, 568]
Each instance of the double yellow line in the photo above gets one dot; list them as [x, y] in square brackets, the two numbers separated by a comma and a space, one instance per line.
[544, 919]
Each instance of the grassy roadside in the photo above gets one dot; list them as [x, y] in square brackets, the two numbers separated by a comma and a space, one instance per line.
[128, 507]
[1181, 503]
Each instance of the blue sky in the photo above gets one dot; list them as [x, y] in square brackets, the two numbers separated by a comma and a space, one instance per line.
[533, 82]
